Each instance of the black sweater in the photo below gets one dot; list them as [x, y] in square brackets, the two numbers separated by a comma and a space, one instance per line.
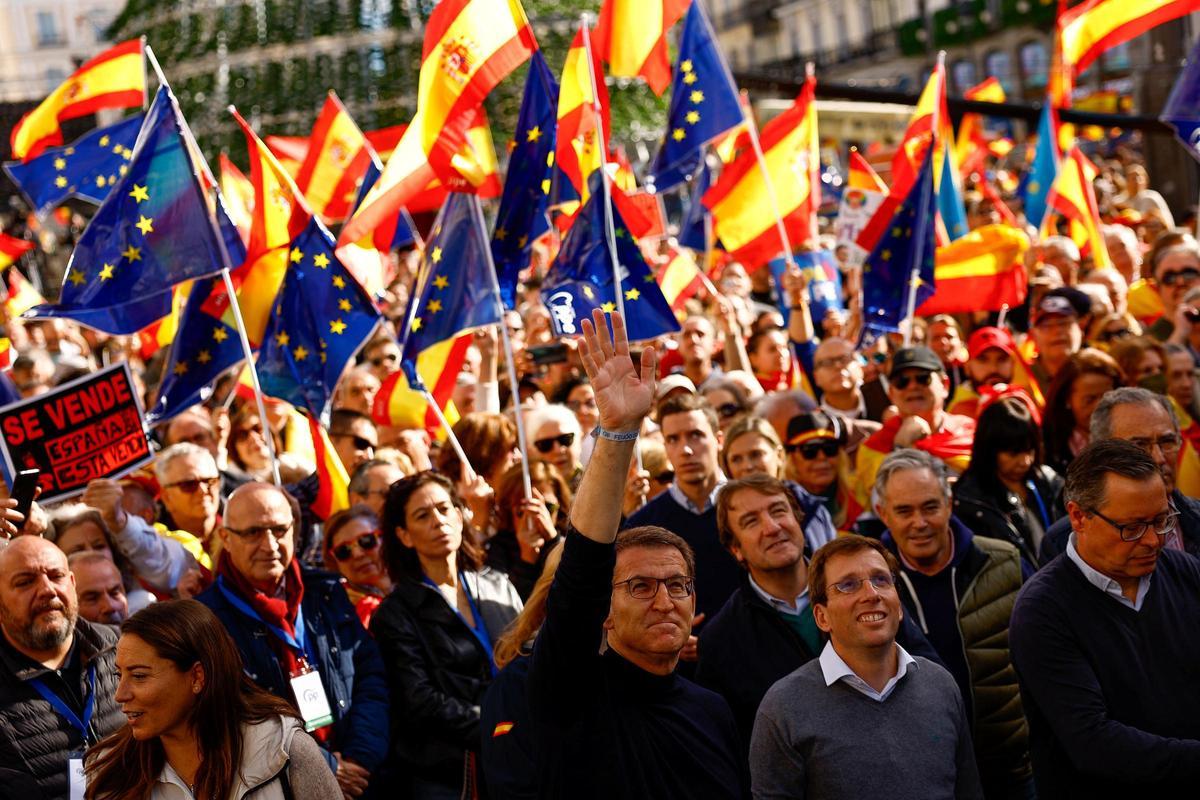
[1112, 694]
[608, 729]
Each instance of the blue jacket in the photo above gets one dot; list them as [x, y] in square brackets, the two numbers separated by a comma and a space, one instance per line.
[347, 658]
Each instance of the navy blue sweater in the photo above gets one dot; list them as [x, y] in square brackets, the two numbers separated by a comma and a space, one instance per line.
[1112, 694]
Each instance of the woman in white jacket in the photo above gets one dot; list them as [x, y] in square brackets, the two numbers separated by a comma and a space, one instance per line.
[198, 728]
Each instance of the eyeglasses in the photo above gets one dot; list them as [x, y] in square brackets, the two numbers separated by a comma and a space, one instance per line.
[389, 358]
[259, 532]
[367, 542]
[360, 442]
[678, 586]
[852, 585]
[1121, 333]
[728, 410]
[1167, 442]
[836, 362]
[546, 445]
[193, 485]
[575, 405]
[242, 433]
[1132, 531]
[810, 450]
[1184, 276]
[901, 382]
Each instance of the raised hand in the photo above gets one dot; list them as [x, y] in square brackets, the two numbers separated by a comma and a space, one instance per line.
[622, 396]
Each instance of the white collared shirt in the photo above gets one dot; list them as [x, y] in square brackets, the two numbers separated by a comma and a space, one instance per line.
[682, 499]
[782, 606]
[1106, 584]
[855, 413]
[835, 669]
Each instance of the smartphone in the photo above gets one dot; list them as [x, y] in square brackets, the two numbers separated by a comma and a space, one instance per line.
[23, 488]
[548, 353]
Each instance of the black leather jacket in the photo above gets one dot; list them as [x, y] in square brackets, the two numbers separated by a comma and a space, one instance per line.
[1001, 517]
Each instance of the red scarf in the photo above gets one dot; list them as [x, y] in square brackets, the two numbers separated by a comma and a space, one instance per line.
[280, 612]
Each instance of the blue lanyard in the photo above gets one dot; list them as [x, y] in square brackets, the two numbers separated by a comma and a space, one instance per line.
[1041, 506]
[63, 709]
[478, 629]
[297, 642]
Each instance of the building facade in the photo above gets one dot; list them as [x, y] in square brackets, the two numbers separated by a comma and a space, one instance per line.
[44, 41]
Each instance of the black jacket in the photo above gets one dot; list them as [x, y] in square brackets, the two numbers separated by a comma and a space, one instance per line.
[438, 670]
[1056, 538]
[1000, 517]
[34, 739]
[748, 646]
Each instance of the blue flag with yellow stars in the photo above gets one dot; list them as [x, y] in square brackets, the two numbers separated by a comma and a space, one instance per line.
[581, 278]
[704, 102]
[87, 168]
[321, 317]
[153, 231]
[908, 245]
[695, 230]
[522, 216]
[1035, 184]
[454, 291]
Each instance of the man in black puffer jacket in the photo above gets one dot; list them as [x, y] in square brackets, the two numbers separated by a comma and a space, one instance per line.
[57, 677]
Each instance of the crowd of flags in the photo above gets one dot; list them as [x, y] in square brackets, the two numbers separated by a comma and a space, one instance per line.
[239, 266]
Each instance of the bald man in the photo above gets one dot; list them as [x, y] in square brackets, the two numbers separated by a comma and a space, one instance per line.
[57, 678]
[290, 621]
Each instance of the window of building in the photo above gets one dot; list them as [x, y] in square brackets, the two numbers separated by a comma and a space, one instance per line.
[998, 64]
[818, 38]
[963, 75]
[841, 30]
[47, 28]
[1035, 64]
[867, 17]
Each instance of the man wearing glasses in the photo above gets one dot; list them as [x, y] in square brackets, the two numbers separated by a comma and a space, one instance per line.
[617, 721]
[298, 635]
[960, 589]
[1105, 642]
[865, 719]
[354, 437]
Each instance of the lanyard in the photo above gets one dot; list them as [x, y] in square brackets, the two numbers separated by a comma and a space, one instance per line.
[479, 629]
[1041, 506]
[63, 709]
[297, 642]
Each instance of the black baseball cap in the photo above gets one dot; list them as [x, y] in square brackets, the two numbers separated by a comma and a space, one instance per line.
[917, 357]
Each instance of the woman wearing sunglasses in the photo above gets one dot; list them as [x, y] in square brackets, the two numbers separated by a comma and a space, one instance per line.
[728, 399]
[556, 438]
[816, 459]
[352, 549]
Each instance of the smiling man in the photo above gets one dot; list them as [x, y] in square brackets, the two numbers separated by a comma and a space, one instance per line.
[866, 719]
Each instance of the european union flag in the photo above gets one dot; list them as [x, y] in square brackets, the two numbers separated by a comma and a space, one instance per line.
[152, 232]
[87, 168]
[321, 317]
[581, 278]
[704, 102]
[1182, 110]
[949, 199]
[453, 291]
[522, 215]
[908, 244]
[696, 230]
[1035, 186]
[404, 232]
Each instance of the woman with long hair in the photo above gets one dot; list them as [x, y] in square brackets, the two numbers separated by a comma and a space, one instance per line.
[528, 527]
[1007, 493]
[352, 549]
[198, 727]
[1073, 396]
[436, 631]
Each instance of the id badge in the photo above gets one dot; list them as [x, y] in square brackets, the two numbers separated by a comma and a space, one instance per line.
[75, 778]
[310, 697]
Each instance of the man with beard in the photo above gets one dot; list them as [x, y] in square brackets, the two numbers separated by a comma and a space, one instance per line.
[992, 364]
[57, 676]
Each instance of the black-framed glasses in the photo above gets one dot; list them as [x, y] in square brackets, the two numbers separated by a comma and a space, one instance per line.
[367, 542]
[1185, 276]
[193, 485]
[728, 410]
[880, 581]
[546, 445]
[1132, 531]
[901, 382]
[259, 532]
[642, 588]
[810, 450]
[836, 362]
[360, 442]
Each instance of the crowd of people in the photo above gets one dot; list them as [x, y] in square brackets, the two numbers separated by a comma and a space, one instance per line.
[765, 556]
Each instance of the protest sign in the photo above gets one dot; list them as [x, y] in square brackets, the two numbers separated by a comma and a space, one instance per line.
[854, 212]
[86, 429]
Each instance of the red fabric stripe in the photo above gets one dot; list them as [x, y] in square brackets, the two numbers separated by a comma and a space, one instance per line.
[127, 98]
[771, 135]
[343, 194]
[443, 16]
[767, 245]
[981, 293]
[1134, 28]
[318, 140]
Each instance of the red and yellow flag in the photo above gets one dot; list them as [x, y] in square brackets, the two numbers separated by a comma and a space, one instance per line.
[578, 150]
[631, 36]
[333, 494]
[470, 46]
[21, 294]
[863, 175]
[290, 151]
[335, 163]
[400, 406]
[1090, 28]
[12, 248]
[981, 271]
[1072, 198]
[743, 217]
[114, 79]
[972, 145]
[680, 279]
[238, 192]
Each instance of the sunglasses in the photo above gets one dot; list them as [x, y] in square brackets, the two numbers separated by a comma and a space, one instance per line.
[901, 382]
[379, 361]
[810, 450]
[727, 410]
[193, 485]
[360, 442]
[367, 542]
[1122, 333]
[546, 445]
[1184, 276]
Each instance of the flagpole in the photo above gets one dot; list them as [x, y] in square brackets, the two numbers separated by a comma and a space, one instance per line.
[914, 278]
[225, 260]
[522, 444]
[469, 473]
[814, 173]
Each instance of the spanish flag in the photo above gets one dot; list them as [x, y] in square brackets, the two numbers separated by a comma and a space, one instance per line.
[12, 248]
[333, 494]
[399, 405]
[336, 161]
[1072, 198]
[114, 79]
[680, 279]
[743, 217]
[470, 46]
[982, 271]
[863, 175]
[290, 151]
[578, 150]
[21, 294]
[1090, 28]
[631, 36]
[972, 146]
[238, 192]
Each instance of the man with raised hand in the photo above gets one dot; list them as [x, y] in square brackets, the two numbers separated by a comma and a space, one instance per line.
[613, 719]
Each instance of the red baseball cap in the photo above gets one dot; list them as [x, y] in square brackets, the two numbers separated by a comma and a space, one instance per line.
[985, 338]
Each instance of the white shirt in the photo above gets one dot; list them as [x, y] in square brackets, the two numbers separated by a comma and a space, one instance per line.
[855, 413]
[1105, 583]
[782, 606]
[835, 669]
[682, 499]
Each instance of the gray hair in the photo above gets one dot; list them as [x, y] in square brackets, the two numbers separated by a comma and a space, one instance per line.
[553, 412]
[65, 517]
[82, 557]
[358, 481]
[178, 450]
[1086, 485]
[1063, 244]
[1125, 234]
[1101, 425]
[906, 459]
